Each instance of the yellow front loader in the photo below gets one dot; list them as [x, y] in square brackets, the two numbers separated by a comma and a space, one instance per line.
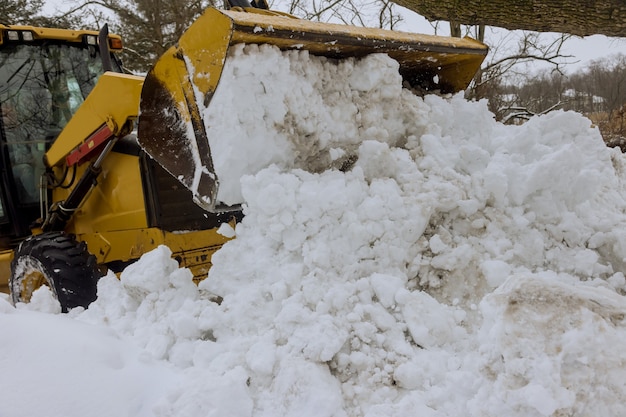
[90, 164]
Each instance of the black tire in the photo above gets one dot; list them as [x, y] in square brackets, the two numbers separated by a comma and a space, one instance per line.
[58, 261]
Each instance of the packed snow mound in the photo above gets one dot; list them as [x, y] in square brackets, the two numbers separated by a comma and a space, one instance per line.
[298, 111]
[456, 267]
[549, 349]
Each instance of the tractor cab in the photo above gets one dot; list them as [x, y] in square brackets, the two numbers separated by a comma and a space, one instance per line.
[45, 75]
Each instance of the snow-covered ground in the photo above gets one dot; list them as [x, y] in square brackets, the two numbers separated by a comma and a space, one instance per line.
[460, 267]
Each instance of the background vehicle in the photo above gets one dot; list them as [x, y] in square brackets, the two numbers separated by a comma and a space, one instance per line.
[80, 193]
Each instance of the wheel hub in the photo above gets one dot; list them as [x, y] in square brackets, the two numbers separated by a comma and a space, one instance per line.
[33, 279]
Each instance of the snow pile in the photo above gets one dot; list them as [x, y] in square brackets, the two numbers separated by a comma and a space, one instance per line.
[550, 347]
[293, 110]
[458, 267]
[54, 365]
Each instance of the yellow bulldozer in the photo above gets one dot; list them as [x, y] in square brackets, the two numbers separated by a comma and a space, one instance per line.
[97, 167]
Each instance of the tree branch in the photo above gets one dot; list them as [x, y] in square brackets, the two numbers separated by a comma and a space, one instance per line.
[582, 18]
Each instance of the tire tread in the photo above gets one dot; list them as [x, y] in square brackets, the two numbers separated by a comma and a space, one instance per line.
[73, 270]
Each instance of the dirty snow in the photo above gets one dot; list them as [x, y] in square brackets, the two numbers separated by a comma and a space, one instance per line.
[459, 267]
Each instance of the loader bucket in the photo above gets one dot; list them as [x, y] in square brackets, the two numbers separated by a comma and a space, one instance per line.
[182, 82]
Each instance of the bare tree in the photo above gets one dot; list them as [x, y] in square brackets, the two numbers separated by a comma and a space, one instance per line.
[598, 91]
[371, 13]
[603, 87]
[509, 59]
[608, 81]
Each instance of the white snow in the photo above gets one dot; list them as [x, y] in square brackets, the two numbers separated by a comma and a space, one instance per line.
[460, 268]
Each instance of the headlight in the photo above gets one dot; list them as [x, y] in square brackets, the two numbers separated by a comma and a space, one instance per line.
[17, 35]
[91, 40]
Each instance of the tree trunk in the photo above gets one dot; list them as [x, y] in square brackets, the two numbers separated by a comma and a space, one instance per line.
[577, 17]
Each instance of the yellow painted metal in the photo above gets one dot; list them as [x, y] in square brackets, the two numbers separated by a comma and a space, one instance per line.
[114, 101]
[454, 60]
[6, 256]
[66, 35]
[192, 249]
[183, 80]
[170, 115]
[116, 203]
[112, 221]
[32, 280]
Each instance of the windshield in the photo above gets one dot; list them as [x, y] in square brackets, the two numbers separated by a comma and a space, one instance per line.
[41, 86]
